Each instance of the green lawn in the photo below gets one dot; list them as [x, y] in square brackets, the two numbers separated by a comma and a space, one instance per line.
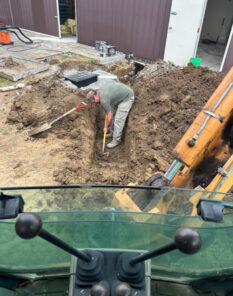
[4, 82]
[4, 132]
[75, 57]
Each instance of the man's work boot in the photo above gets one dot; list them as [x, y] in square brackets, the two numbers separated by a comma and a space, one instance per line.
[113, 144]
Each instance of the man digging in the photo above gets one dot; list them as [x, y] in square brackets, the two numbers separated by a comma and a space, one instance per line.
[116, 99]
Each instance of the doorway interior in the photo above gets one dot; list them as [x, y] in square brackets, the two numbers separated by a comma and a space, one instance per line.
[68, 24]
[215, 33]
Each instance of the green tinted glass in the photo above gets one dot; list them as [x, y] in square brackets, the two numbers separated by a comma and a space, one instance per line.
[95, 217]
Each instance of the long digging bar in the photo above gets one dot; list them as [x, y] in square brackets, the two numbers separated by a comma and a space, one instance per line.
[47, 126]
[104, 138]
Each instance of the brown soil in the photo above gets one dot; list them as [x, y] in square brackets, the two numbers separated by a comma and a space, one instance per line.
[165, 107]
[166, 102]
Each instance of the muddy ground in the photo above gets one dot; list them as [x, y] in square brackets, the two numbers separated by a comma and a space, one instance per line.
[167, 99]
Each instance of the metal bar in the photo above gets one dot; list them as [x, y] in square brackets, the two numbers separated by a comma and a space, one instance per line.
[154, 253]
[227, 204]
[196, 136]
[76, 19]
[229, 172]
[173, 170]
[59, 243]
[81, 186]
[58, 19]
[220, 118]
[229, 42]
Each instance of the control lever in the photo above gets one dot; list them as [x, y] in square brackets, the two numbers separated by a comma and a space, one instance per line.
[29, 225]
[108, 272]
[186, 239]
[130, 267]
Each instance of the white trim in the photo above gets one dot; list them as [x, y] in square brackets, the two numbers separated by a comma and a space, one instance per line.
[76, 20]
[200, 27]
[58, 19]
[226, 50]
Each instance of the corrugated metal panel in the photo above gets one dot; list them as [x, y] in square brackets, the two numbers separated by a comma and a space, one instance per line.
[5, 13]
[229, 58]
[22, 15]
[45, 16]
[36, 15]
[137, 26]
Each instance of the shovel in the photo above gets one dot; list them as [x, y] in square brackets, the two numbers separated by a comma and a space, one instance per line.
[47, 126]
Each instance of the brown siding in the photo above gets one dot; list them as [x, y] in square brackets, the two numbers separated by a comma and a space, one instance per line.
[138, 26]
[36, 15]
[229, 58]
[5, 15]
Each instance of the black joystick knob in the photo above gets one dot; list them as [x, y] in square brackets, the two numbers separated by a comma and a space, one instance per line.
[187, 240]
[28, 225]
[99, 289]
[123, 289]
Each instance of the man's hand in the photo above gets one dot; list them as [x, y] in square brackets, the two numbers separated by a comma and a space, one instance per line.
[109, 118]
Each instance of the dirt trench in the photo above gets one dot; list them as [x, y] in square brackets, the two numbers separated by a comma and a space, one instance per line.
[166, 102]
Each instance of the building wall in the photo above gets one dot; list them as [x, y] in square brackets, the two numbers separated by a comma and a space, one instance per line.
[215, 12]
[133, 26]
[5, 15]
[35, 15]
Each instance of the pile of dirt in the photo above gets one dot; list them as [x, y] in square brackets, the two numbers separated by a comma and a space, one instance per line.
[158, 68]
[166, 103]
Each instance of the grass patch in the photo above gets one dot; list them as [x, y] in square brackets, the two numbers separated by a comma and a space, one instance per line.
[4, 82]
[4, 132]
[76, 57]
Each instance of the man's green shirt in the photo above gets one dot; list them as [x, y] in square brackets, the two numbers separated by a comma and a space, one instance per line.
[112, 94]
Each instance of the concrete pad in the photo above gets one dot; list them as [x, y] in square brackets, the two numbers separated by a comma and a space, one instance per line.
[44, 46]
[211, 55]
[21, 68]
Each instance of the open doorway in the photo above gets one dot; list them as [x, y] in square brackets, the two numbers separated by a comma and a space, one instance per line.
[67, 20]
[215, 33]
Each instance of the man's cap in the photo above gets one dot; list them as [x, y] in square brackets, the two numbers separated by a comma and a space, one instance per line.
[90, 95]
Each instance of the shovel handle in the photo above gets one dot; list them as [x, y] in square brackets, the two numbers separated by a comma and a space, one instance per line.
[79, 106]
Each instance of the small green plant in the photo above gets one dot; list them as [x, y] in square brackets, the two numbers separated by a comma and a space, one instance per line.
[4, 132]
[4, 82]
[76, 57]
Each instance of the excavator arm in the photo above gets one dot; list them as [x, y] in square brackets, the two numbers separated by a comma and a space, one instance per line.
[203, 157]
